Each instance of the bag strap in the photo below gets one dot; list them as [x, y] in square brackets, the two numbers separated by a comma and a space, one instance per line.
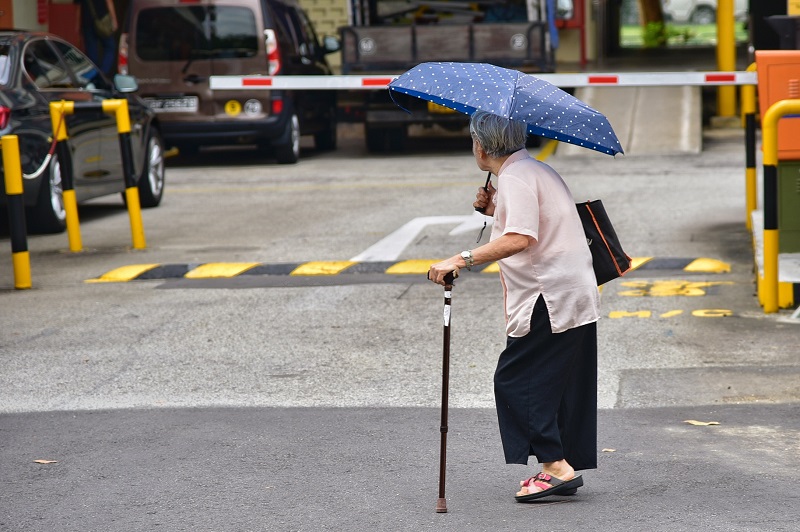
[90, 5]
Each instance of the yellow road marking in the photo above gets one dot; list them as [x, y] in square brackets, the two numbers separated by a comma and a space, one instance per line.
[708, 265]
[492, 268]
[638, 261]
[712, 313]
[616, 314]
[668, 288]
[671, 314]
[322, 267]
[419, 266]
[123, 274]
[220, 269]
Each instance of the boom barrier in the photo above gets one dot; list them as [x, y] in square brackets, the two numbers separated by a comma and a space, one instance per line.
[374, 82]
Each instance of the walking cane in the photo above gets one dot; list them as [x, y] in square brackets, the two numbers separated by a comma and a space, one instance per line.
[441, 504]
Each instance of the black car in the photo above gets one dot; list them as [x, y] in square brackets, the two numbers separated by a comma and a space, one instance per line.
[38, 68]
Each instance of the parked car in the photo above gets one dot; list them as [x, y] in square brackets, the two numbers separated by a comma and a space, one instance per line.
[700, 11]
[38, 68]
[172, 47]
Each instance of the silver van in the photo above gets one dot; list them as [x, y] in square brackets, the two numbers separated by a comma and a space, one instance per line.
[172, 47]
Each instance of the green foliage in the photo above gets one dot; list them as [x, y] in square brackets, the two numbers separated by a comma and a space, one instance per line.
[657, 34]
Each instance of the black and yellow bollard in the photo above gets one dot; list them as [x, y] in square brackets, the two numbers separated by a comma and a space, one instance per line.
[16, 212]
[58, 112]
[748, 96]
[120, 109]
[772, 293]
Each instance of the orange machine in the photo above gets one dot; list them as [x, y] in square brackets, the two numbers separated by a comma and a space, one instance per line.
[779, 79]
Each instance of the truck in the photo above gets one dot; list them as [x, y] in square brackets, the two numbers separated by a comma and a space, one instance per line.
[388, 37]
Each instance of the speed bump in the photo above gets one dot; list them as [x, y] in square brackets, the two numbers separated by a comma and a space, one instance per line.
[216, 270]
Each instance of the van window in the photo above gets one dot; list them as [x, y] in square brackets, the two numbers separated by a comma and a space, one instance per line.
[196, 32]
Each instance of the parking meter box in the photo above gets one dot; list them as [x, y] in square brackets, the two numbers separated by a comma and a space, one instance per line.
[779, 79]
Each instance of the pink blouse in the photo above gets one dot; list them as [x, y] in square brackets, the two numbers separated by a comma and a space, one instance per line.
[533, 200]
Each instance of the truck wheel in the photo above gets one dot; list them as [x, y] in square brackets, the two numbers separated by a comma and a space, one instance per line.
[151, 182]
[376, 139]
[49, 215]
[288, 151]
[325, 140]
[382, 140]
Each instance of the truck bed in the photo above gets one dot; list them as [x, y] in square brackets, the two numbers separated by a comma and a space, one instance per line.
[398, 48]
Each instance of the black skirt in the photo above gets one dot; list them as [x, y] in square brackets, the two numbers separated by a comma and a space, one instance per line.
[545, 389]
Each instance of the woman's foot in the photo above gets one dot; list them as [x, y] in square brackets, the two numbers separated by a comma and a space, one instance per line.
[556, 478]
[544, 485]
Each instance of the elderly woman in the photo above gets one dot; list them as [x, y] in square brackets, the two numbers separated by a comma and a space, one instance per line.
[546, 379]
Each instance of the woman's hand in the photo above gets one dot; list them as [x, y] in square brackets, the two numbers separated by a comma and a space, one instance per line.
[483, 200]
[440, 269]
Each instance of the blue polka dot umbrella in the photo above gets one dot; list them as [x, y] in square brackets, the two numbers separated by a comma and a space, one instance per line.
[547, 110]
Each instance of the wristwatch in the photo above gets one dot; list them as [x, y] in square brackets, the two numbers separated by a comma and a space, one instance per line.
[468, 259]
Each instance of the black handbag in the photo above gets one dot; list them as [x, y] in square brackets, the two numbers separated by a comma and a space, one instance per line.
[608, 259]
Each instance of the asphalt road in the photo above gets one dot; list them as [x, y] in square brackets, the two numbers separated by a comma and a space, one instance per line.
[277, 402]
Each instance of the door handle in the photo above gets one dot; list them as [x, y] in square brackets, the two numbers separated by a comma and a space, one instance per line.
[194, 78]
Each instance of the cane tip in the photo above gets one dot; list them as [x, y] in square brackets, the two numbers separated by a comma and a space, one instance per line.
[441, 506]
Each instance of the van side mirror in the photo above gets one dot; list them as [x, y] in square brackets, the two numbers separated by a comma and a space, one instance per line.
[125, 84]
[330, 44]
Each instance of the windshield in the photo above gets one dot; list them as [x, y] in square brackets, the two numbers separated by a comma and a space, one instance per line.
[191, 33]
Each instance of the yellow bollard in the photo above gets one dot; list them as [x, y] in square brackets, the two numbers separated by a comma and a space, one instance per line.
[20, 257]
[58, 112]
[726, 56]
[769, 132]
[135, 215]
[120, 109]
[748, 95]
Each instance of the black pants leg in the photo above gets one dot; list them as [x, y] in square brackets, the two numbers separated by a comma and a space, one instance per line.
[546, 394]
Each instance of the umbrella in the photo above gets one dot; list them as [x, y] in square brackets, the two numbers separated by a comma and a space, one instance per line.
[547, 110]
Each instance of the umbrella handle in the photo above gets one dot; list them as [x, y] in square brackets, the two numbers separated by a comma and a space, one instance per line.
[482, 210]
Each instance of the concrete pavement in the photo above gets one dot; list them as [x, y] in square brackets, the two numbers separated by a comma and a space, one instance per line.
[354, 469]
[313, 407]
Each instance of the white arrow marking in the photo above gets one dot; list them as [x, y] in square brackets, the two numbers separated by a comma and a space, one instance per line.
[391, 246]
[472, 223]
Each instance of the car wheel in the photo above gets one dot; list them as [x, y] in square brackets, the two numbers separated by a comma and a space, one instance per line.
[325, 140]
[288, 151]
[151, 182]
[49, 215]
[704, 15]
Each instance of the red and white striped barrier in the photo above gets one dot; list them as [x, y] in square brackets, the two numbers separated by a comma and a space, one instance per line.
[372, 82]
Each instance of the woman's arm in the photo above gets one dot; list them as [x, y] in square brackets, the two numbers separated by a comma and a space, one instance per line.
[505, 246]
[110, 4]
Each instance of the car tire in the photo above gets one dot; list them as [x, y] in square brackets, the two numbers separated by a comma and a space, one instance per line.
[704, 15]
[288, 150]
[151, 181]
[325, 140]
[49, 214]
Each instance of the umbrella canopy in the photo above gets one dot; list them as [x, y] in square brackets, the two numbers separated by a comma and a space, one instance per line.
[547, 110]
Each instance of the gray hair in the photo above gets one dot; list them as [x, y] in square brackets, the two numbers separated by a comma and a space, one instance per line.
[497, 135]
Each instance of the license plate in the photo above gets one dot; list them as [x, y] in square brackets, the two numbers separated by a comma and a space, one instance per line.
[436, 108]
[185, 104]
